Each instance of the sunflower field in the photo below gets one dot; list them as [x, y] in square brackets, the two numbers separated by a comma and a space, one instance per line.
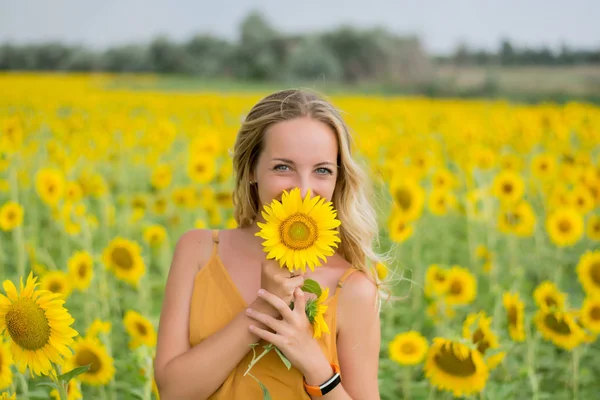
[489, 215]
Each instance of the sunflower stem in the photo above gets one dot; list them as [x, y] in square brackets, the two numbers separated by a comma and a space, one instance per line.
[60, 386]
[533, 380]
[576, 357]
[406, 377]
[255, 360]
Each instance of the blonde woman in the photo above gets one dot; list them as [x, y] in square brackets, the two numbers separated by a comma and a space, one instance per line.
[223, 295]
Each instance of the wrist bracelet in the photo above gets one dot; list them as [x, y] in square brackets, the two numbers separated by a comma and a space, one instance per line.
[327, 386]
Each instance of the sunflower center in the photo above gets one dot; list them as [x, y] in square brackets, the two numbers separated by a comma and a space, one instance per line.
[141, 329]
[507, 188]
[512, 316]
[564, 226]
[51, 188]
[122, 258]
[557, 326]
[200, 168]
[512, 218]
[299, 231]
[27, 324]
[456, 288]
[85, 357]
[403, 198]
[595, 273]
[11, 215]
[55, 287]
[448, 362]
[596, 228]
[408, 348]
[595, 313]
[82, 270]
[550, 301]
[440, 277]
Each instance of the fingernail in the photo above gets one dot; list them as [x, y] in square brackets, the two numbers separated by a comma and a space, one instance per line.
[261, 291]
[251, 327]
[248, 311]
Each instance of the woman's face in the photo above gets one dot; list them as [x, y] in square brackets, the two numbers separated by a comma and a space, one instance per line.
[300, 152]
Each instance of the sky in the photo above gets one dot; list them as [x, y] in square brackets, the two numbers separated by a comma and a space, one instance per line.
[441, 25]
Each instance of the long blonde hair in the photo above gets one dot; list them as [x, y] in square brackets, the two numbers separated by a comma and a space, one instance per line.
[351, 197]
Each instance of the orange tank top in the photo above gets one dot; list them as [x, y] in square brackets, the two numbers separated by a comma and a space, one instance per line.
[216, 301]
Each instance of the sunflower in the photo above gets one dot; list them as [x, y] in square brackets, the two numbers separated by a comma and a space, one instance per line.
[441, 201]
[140, 330]
[38, 325]
[443, 179]
[590, 314]
[543, 166]
[89, 351]
[436, 282]
[515, 314]
[50, 185]
[408, 197]
[482, 336]
[462, 286]
[57, 282]
[6, 396]
[73, 192]
[486, 256]
[315, 309]
[581, 199]
[588, 270]
[201, 169]
[565, 227]
[73, 391]
[510, 162]
[593, 228]
[299, 232]
[81, 270]
[438, 311]
[123, 257]
[6, 375]
[560, 328]
[400, 227]
[184, 197]
[518, 219]
[547, 296]
[408, 348]
[454, 367]
[508, 187]
[381, 270]
[11, 215]
[155, 235]
[159, 206]
[161, 177]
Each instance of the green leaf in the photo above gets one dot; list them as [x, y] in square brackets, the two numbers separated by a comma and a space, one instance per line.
[312, 286]
[67, 376]
[287, 362]
[266, 394]
[47, 384]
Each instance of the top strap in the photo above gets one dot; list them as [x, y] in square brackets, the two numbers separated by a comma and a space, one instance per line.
[345, 276]
[215, 239]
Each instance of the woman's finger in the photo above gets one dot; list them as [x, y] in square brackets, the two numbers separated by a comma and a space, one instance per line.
[270, 337]
[269, 321]
[299, 302]
[277, 303]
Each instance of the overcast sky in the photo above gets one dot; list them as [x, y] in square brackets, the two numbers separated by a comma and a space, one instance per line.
[440, 24]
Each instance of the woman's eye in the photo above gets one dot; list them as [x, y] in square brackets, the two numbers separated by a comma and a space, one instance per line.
[324, 171]
[281, 167]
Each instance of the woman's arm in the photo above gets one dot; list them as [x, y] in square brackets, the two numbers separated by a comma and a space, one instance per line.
[358, 343]
[182, 372]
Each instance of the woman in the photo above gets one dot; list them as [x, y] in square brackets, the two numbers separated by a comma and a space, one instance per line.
[222, 295]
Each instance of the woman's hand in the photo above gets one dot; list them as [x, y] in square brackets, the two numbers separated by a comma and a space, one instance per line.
[293, 335]
[279, 281]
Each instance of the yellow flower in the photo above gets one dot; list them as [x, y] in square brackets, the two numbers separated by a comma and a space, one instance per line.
[57, 282]
[50, 185]
[436, 281]
[462, 286]
[408, 197]
[485, 255]
[140, 330]
[581, 199]
[547, 296]
[508, 186]
[510, 162]
[593, 228]
[441, 201]
[159, 206]
[559, 327]
[184, 197]
[81, 270]
[6, 396]
[73, 391]
[443, 179]
[399, 227]
[11, 215]
[155, 235]
[315, 310]
[299, 232]
[482, 337]
[518, 219]
[6, 375]
[89, 351]
[515, 314]
[381, 270]
[588, 270]
[454, 367]
[37, 324]
[73, 192]
[543, 166]
[201, 169]
[437, 311]
[123, 257]
[590, 314]
[565, 227]
[408, 348]
[97, 327]
[161, 177]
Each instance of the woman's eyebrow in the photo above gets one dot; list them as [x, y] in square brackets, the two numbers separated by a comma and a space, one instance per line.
[316, 165]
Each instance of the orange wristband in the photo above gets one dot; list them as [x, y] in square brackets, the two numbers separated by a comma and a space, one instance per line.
[327, 386]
